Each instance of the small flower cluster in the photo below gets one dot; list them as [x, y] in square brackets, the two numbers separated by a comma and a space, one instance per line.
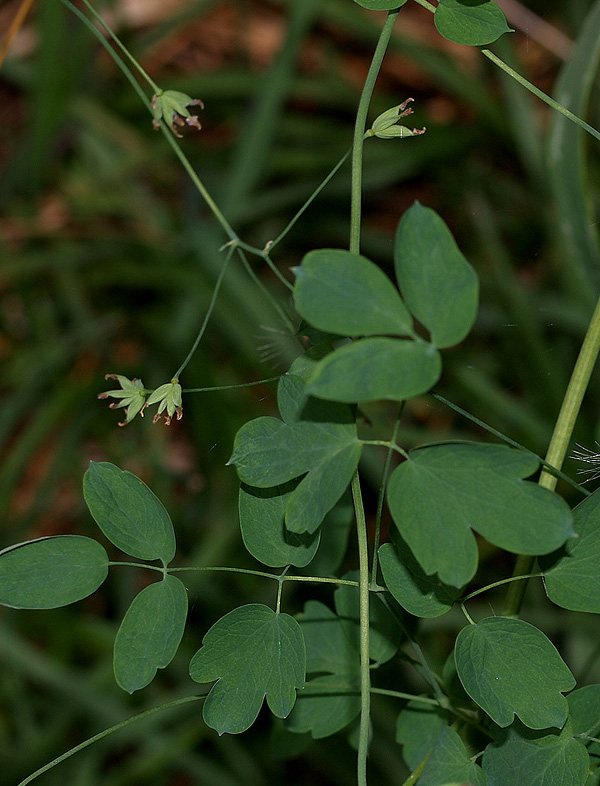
[172, 107]
[132, 395]
[386, 125]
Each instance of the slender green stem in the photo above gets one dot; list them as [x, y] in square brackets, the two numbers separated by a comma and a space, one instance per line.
[200, 187]
[272, 243]
[208, 314]
[280, 588]
[135, 565]
[540, 94]
[259, 284]
[499, 584]
[559, 443]
[232, 387]
[587, 738]
[361, 525]
[467, 615]
[105, 733]
[276, 271]
[429, 675]
[122, 47]
[260, 252]
[395, 694]
[365, 673]
[381, 497]
[247, 572]
[165, 130]
[522, 81]
[386, 444]
[359, 129]
[512, 442]
[427, 5]
[322, 580]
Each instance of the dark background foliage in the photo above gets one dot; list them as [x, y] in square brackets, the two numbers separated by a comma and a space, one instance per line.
[108, 259]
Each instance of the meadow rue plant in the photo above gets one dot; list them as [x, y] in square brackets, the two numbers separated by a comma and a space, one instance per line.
[506, 708]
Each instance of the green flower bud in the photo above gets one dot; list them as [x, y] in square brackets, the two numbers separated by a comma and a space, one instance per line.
[386, 125]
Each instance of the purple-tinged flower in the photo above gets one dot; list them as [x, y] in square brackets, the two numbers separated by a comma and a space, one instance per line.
[172, 107]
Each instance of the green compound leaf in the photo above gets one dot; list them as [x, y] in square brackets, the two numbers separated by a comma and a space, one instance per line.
[268, 452]
[326, 705]
[417, 729]
[265, 535]
[443, 491]
[150, 633]
[573, 581]
[381, 5]
[420, 594]
[347, 294]
[50, 572]
[438, 284]
[509, 667]
[128, 513]
[252, 652]
[521, 757]
[385, 635]
[450, 763]
[377, 368]
[470, 22]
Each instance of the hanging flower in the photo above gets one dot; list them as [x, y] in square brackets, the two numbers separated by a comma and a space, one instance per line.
[167, 397]
[386, 125]
[132, 394]
[172, 107]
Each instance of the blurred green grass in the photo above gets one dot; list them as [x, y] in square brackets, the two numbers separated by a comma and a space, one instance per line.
[108, 259]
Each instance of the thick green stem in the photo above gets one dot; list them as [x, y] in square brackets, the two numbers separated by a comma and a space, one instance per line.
[361, 524]
[559, 443]
[365, 674]
[360, 126]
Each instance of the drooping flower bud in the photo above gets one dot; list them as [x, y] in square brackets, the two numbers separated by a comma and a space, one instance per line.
[386, 125]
